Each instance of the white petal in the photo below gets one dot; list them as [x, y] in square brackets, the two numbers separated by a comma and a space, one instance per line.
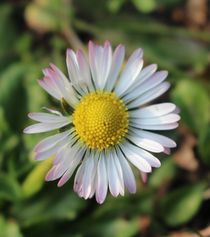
[106, 64]
[65, 86]
[118, 58]
[45, 154]
[155, 127]
[146, 144]
[57, 78]
[176, 110]
[78, 179]
[50, 81]
[153, 110]
[150, 83]
[48, 118]
[67, 175]
[60, 154]
[144, 74]
[71, 165]
[87, 176]
[94, 175]
[164, 141]
[128, 176]
[84, 70]
[114, 184]
[167, 151]
[119, 172]
[48, 87]
[69, 147]
[81, 172]
[152, 160]
[50, 142]
[52, 111]
[92, 55]
[100, 63]
[143, 176]
[102, 180]
[149, 95]
[44, 127]
[131, 71]
[69, 154]
[136, 159]
[165, 119]
[58, 81]
[74, 72]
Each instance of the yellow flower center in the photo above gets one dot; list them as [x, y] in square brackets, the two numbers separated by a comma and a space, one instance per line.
[100, 120]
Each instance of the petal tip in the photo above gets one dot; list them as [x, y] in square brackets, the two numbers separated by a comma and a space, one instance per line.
[25, 130]
[60, 183]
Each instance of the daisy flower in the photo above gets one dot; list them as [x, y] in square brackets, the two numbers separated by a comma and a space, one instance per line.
[103, 127]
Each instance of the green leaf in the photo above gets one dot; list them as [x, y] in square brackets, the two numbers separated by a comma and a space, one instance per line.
[9, 188]
[51, 205]
[118, 227]
[141, 202]
[165, 173]
[12, 95]
[9, 228]
[145, 6]
[9, 143]
[35, 180]
[4, 127]
[203, 145]
[172, 49]
[193, 100]
[7, 37]
[8, 140]
[180, 205]
[115, 5]
[171, 3]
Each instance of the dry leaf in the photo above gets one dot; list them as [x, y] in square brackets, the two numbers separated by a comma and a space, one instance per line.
[185, 157]
[196, 11]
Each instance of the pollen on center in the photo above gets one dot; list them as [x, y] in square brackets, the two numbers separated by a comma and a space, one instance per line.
[101, 120]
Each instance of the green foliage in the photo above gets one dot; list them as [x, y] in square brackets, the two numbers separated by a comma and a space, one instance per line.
[203, 145]
[193, 100]
[118, 227]
[9, 188]
[164, 174]
[145, 6]
[35, 180]
[36, 33]
[11, 88]
[115, 5]
[8, 40]
[9, 228]
[182, 204]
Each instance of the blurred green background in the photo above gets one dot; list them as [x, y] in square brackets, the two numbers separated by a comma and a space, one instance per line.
[175, 34]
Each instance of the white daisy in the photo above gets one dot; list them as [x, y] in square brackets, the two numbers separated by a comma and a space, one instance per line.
[105, 130]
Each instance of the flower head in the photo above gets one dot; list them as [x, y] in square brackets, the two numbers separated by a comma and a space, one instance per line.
[104, 129]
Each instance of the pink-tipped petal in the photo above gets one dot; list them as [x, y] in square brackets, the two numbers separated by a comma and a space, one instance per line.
[150, 83]
[102, 180]
[118, 57]
[155, 110]
[149, 95]
[145, 143]
[131, 71]
[136, 159]
[128, 176]
[144, 176]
